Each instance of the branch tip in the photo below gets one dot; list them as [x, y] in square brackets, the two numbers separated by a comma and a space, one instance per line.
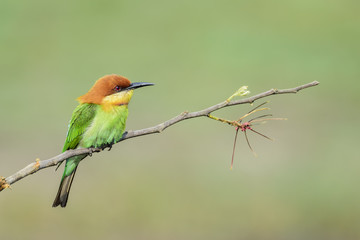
[4, 184]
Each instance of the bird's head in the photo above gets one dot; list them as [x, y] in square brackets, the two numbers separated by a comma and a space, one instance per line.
[111, 90]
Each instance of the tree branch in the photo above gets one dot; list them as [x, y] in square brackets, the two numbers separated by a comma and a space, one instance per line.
[38, 165]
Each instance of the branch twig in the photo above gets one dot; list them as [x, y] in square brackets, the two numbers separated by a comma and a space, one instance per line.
[38, 165]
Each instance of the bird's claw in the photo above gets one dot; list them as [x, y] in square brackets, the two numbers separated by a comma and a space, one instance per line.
[91, 152]
[108, 145]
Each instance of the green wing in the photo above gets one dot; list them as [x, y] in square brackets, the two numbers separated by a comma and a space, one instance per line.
[80, 120]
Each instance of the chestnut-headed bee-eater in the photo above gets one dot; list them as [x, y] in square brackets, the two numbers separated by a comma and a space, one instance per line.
[98, 121]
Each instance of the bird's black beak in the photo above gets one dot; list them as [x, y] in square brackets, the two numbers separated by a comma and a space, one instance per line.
[138, 85]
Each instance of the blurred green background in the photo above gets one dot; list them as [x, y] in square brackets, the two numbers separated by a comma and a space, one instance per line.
[177, 185]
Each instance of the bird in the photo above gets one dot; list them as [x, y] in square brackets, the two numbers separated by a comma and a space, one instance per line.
[98, 121]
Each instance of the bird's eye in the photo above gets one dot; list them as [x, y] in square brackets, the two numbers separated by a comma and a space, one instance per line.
[117, 88]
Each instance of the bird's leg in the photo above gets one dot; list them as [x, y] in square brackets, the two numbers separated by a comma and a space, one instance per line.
[106, 145]
[110, 147]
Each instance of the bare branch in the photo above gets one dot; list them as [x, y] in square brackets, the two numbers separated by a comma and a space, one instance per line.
[38, 165]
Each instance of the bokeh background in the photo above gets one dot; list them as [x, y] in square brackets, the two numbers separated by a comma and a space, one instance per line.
[178, 184]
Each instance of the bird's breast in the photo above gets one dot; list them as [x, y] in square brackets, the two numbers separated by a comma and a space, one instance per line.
[107, 127]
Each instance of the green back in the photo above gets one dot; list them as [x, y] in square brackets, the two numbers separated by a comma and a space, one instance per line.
[80, 120]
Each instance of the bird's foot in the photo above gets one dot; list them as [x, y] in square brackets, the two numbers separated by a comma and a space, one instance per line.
[108, 145]
[92, 150]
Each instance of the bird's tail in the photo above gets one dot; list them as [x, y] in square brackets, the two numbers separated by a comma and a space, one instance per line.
[64, 190]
